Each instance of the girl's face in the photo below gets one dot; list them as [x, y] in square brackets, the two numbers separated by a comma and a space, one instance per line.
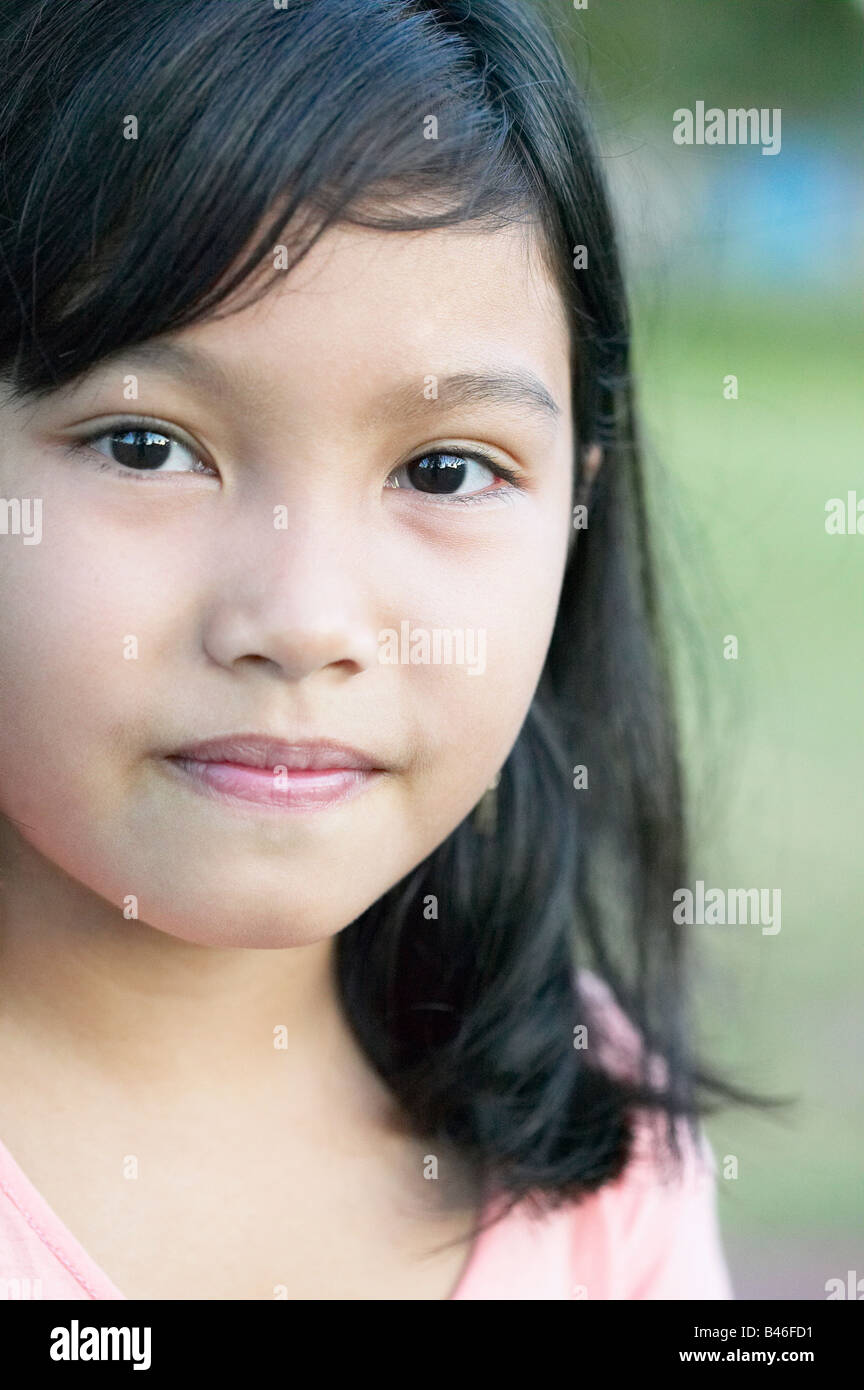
[249, 582]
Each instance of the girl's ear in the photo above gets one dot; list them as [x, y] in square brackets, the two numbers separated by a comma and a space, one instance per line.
[592, 459]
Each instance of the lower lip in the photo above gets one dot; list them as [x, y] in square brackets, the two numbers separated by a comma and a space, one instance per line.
[294, 790]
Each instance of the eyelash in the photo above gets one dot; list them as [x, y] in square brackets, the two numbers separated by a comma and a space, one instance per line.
[508, 475]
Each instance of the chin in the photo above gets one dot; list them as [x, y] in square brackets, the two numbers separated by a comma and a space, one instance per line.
[246, 929]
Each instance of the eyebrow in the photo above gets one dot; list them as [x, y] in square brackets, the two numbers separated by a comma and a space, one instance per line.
[513, 386]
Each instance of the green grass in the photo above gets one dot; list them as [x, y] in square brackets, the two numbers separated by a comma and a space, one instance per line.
[774, 739]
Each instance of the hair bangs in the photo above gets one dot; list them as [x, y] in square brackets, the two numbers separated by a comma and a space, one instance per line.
[193, 202]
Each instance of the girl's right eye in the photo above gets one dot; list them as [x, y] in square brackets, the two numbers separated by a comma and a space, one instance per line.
[136, 448]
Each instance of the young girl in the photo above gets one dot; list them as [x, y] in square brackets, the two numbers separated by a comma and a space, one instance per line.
[340, 828]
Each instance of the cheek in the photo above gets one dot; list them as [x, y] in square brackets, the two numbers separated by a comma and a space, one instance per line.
[69, 607]
[498, 607]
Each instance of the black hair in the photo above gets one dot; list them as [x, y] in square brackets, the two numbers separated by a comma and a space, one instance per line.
[262, 125]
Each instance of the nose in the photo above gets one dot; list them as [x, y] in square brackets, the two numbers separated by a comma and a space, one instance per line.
[297, 596]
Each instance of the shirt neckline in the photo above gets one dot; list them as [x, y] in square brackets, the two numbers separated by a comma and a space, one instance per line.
[56, 1236]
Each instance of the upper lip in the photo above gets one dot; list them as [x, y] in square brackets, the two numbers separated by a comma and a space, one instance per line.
[261, 750]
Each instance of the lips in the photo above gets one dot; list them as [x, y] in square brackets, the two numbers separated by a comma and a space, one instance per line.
[255, 750]
[239, 769]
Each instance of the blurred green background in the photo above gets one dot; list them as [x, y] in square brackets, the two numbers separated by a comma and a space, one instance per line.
[753, 265]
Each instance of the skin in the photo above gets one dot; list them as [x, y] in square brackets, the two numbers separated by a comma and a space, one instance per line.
[242, 626]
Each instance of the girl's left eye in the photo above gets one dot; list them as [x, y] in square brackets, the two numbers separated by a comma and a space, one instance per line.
[136, 447]
[441, 472]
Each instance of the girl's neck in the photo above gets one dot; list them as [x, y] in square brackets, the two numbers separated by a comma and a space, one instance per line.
[117, 999]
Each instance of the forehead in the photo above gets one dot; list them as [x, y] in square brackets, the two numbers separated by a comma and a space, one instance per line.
[367, 305]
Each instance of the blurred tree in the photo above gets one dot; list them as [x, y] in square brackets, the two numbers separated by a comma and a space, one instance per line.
[804, 55]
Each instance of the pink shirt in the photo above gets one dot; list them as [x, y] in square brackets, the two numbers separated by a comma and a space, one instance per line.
[643, 1236]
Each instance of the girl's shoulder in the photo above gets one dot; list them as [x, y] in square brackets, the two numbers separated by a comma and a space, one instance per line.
[620, 1050]
[659, 1218]
[651, 1233]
